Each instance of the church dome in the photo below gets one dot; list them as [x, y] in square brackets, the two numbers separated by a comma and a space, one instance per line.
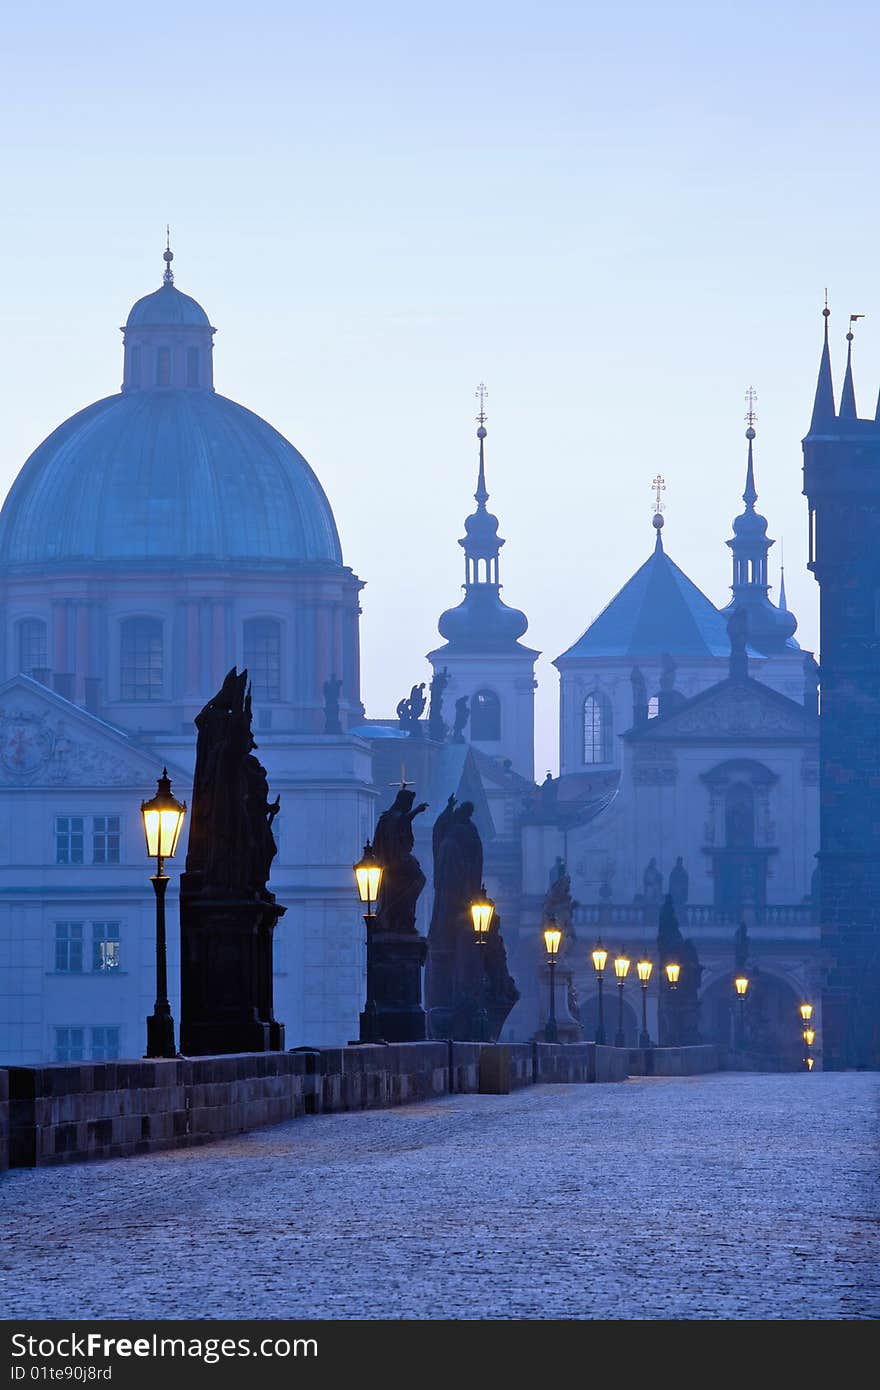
[167, 476]
[167, 306]
[167, 472]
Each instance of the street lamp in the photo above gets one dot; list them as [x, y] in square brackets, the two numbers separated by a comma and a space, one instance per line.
[552, 940]
[644, 968]
[368, 877]
[600, 956]
[741, 985]
[621, 970]
[482, 912]
[806, 1012]
[809, 1036]
[673, 970]
[163, 819]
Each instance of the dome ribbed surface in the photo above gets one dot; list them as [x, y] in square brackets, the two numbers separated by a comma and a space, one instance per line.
[165, 476]
[167, 306]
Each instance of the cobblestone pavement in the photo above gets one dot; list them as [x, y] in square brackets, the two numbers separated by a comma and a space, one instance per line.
[728, 1196]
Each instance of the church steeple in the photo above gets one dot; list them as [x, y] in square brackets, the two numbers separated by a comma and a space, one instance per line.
[823, 405]
[848, 409]
[769, 627]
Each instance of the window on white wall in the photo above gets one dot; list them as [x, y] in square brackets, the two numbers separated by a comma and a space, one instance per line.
[597, 728]
[105, 1044]
[69, 947]
[105, 839]
[140, 659]
[33, 646]
[69, 839]
[69, 1044]
[105, 946]
[262, 657]
[485, 717]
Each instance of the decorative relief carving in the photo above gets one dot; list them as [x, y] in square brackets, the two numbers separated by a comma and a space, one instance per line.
[38, 748]
[738, 712]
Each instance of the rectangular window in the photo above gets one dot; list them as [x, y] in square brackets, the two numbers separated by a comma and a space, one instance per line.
[163, 367]
[33, 646]
[105, 946]
[140, 657]
[192, 366]
[105, 840]
[69, 839]
[69, 1044]
[262, 657]
[105, 1044]
[69, 947]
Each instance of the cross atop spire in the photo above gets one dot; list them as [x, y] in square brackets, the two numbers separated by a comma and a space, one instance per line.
[481, 495]
[658, 486]
[168, 257]
[750, 496]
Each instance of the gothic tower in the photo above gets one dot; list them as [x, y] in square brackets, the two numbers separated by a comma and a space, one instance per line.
[842, 485]
[486, 664]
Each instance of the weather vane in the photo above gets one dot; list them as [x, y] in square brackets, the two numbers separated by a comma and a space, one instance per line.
[751, 402]
[853, 318]
[659, 485]
[481, 393]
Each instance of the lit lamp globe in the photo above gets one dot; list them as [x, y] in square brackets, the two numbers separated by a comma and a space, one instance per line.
[163, 817]
[621, 966]
[806, 1011]
[810, 1061]
[673, 970]
[368, 876]
[809, 1036]
[600, 956]
[741, 986]
[552, 940]
[643, 970]
[482, 912]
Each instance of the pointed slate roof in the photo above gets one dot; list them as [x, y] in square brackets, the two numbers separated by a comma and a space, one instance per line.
[659, 610]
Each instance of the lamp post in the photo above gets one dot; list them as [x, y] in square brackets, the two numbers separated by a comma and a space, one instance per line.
[163, 819]
[552, 939]
[741, 985]
[600, 956]
[368, 877]
[621, 970]
[809, 1036]
[482, 913]
[644, 968]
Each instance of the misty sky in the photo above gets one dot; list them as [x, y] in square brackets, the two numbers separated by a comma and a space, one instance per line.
[617, 216]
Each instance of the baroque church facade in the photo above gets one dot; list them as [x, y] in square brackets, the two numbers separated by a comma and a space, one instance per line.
[166, 533]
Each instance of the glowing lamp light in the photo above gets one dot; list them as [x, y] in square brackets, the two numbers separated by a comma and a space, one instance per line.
[643, 970]
[163, 818]
[482, 912]
[368, 876]
[673, 970]
[806, 1012]
[809, 1036]
[741, 985]
[810, 1063]
[600, 956]
[552, 938]
[621, 966]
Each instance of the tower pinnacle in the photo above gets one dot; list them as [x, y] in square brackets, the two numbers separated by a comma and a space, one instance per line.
[658, 486]
[823, 405]
[848, 409]
[481, 496]
[168, 257]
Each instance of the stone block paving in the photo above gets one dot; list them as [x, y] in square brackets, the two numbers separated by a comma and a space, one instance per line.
[731, 1196]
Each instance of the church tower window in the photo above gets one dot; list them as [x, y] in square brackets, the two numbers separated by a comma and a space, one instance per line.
[485, 717]
[163, 366]
[32, 646]
[140, 659]
[597, 729]
[262, 657]
[192, 366]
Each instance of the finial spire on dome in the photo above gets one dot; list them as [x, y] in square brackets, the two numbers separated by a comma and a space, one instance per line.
[658, 486]
[848, 395]
[823, 405]
[750, 495]
[168, 257]
[481, 496]
[783, 603]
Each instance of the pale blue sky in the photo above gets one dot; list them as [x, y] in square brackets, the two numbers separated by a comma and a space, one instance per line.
[618, 216]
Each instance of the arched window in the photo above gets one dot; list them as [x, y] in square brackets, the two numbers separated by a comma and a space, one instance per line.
[140, 659]
[192, 366]
[485, 717]
[33, 646]
[597, 729]
[262, 657]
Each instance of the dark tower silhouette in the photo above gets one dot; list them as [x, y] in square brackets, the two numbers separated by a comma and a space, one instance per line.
[842, 485]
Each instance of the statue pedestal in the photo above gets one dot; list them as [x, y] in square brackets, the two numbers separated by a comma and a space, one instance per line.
[226, 975]
[397, 961]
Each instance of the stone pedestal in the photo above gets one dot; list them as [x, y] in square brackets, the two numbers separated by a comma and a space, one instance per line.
[397, 986]
[226, 975]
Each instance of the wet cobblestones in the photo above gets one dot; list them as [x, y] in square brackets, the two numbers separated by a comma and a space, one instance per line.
[729, 1196]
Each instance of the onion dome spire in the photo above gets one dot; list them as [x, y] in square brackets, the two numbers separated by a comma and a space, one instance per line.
[658, 485]
[823, 405]
[848, 409]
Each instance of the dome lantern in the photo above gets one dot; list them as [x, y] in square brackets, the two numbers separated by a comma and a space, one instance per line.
[168, 340]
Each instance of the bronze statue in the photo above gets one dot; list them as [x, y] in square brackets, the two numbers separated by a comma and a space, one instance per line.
[462, 715]
[331, 689]
[679, 1012]
[437, 728]
[410, 711]
[679, 881]
[402, 877]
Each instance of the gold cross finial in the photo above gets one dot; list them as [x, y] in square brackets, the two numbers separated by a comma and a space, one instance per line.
[481, 393]
[403, 783]
[659, 485]
[751, 402]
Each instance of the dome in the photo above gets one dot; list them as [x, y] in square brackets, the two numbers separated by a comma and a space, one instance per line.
[167, 307]
[167, 477]
[482, 621]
